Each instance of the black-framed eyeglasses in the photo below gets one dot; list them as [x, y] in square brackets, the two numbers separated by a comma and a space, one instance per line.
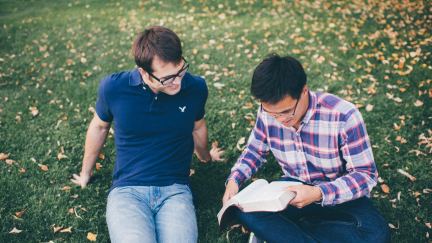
[287, 114]
[168, 80]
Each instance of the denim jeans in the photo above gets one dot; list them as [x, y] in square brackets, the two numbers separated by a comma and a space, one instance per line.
[151, 214]
[354, 221]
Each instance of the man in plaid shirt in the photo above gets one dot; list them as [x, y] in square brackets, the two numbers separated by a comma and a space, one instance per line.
[320, 140]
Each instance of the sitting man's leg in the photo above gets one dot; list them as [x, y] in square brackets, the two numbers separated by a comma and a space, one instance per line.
[175, 218]
[274, 227]
[354, 221]
[129, 216]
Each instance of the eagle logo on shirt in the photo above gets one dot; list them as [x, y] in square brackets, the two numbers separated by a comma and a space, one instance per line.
[182, 109]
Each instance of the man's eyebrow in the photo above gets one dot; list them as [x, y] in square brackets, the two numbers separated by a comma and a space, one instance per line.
[284, 111]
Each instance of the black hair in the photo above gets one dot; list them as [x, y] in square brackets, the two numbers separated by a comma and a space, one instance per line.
[277, 77]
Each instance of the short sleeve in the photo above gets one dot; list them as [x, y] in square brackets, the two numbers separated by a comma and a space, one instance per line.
[203, 94]
[102, 107]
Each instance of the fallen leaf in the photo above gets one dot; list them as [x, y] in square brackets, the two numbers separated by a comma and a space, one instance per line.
[91, 236]
[66, 230]
[385, 188]
[418, 103]
[57, 228]
[218, 85]
[22, 170]
[66, 188]
[191, 172]
[19, 214]
[369, 107]
[240, 142]
[15, 231]
[10, 161]
[428, 225]
[43, 167]
[61, 156]
[101, 156]
[34, 111]
[402, 172]
[98, 166]
[4, 156]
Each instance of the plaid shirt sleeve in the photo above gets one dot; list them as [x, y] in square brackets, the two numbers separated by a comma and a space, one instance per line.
[253, 156]
[362, 174]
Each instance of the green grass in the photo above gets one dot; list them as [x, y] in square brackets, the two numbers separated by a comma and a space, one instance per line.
[43, 43]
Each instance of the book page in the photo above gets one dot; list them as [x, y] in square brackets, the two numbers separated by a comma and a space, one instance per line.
[267, 192]
[251, 191]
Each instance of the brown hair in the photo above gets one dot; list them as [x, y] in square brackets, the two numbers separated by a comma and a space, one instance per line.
[156, 41]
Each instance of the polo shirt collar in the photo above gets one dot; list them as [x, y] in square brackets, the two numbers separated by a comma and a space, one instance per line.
[135, 78]
[311, 108]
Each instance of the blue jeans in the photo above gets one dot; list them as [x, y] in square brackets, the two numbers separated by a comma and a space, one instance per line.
[354, 221]
[151, 214]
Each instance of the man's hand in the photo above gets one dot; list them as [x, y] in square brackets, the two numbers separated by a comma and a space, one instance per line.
[305, 195]
[216, 152]
[82, 179]
[230, 191]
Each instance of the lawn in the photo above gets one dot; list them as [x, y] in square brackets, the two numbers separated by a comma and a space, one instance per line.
[376, 54]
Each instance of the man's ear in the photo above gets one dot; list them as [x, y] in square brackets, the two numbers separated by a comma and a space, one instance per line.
[144, 75]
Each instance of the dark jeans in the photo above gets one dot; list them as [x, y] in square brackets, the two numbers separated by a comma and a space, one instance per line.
[354, 221]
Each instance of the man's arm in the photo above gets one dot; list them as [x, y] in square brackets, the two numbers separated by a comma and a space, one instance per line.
[362, 173]
[95, 138]
[200, 140]
[252, 158]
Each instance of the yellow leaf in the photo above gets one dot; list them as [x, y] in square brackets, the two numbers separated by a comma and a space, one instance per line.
[43, 167]
[9, 161]
[4, 156]
[91, 236]
[418, 103]
[19, 214]
[385, 188]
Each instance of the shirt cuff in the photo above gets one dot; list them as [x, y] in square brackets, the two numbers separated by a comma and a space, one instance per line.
[328, 194]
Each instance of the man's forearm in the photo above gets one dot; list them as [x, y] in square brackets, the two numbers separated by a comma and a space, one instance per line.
[95, 139]
[200, 141]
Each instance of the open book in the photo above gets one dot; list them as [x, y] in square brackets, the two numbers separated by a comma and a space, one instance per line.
[259, 196]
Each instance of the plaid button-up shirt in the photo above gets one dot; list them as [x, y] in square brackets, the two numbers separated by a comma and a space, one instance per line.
[330, 149]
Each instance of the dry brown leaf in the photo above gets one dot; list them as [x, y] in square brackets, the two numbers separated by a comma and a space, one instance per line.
[191, 172]
[402, 172]
[418, 103]
[56, 228]
[61, 156]
[91, 236]
[34, 111]
[101, 156]
[22, 170]
[66, 230]
[428, 225]
[10, 161]
[4, 156]
[15, 231]
[19, 214]
[369, 107]
[66, 188]
[385, 188]
[43, 167]
[98, 166]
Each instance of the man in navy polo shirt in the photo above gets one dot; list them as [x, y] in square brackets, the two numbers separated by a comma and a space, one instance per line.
[158, 115]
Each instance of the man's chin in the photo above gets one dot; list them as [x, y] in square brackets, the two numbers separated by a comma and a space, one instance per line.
[172, 90]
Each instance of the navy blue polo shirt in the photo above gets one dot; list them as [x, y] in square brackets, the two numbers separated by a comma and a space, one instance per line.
[152, 132]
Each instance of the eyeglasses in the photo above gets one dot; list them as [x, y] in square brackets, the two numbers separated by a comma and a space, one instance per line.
[168, 80]
[286, 114]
